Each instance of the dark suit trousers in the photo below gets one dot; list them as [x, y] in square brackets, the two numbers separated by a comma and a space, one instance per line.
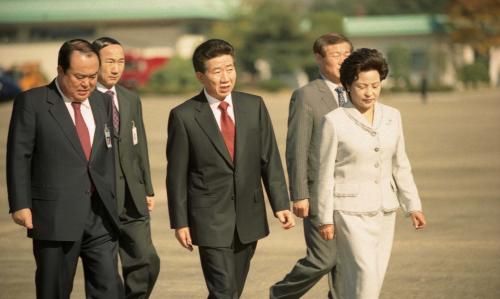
[140, 262]
[57, 260]
[226, 268]
[319, 261]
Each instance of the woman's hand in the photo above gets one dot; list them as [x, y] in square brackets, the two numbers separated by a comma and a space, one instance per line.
[418, 220]
[327, 231]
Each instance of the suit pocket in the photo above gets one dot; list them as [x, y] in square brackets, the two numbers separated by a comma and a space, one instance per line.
[138, 171]
[346, 190]
[393, 186]
[202, 202]
[197, 183]
[258, 195]
[43, 193]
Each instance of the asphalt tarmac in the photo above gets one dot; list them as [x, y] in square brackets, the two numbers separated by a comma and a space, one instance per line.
[453, 142]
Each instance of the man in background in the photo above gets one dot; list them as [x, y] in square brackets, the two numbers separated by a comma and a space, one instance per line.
[134, 189]
[308, 105]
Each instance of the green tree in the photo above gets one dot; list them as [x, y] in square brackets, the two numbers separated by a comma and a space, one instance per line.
[399, 60]
[279, 32]
[177, 76]
[476, 22]
[387, 7]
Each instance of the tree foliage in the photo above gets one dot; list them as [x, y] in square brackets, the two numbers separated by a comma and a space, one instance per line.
[476, 22]
[280, 32]
[177, 76]
[399, 59]
[386, 7]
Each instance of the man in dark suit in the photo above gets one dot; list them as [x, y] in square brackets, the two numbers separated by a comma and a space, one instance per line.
[134, 189]
[307, 107]
[221, 145]
[60, 177]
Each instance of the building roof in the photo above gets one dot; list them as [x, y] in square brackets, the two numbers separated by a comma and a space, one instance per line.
[394, 25]
[55, 11]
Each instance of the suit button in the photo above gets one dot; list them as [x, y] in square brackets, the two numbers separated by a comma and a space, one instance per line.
[377, 165]
[376, 182]
[377, 149]
[87, 192]
[121, 177]
[374, 133]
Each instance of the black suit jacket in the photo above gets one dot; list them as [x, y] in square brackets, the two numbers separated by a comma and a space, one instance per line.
[47, 170]
[132, 160]
[206, 190]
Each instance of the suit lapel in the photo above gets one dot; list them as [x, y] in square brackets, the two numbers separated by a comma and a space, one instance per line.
[97, 106]
[241, 125]
[59, 111]
[361, 121]
[206, 120]
[124, 108]
[326, 94]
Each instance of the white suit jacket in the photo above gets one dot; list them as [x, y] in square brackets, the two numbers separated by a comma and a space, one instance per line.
[364, 168]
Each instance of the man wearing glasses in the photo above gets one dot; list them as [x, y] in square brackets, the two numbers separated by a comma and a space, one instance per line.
[307, 107]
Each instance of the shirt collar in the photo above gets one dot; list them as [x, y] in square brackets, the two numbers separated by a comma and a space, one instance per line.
[85, 103]
[329, 83]
[103, 88]
[214, 102]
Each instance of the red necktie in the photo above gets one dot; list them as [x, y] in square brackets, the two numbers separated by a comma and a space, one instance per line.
[227, 128]
[81, 129]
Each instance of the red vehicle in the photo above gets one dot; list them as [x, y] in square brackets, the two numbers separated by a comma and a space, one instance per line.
[140, 66]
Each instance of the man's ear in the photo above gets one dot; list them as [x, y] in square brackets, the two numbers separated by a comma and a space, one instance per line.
[318, 58]
[60, 71]
[199, 76]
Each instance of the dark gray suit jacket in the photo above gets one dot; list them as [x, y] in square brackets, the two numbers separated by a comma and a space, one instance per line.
[308, 106]
[206, 190]
[47, 170]
[132, 160]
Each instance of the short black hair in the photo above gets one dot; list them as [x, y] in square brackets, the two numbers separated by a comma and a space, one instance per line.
[68, 47]
[331, 38]
[210, 49]
[104, 42]
[362, 60]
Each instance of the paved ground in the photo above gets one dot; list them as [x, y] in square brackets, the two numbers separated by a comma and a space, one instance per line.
[454, 145]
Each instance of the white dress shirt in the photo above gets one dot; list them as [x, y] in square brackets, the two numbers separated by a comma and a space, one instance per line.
[332, 86]
[103, 89]
[86, 110]
[214, 105]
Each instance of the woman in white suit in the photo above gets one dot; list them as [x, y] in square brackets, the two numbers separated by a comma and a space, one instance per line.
[364, 176]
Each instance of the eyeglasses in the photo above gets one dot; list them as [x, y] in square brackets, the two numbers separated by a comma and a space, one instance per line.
[337, 55]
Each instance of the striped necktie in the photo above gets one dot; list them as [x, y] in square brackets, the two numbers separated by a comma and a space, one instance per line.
[341, 95]
[116, 114]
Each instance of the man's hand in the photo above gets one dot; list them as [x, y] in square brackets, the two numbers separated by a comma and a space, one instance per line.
[418, 220]
[184, 237]
[23, 218]
[327, 231]
[150, 201]
[301, 208]
[286, 219]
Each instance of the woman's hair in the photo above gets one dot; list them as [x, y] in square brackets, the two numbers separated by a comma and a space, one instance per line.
[362, 60]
